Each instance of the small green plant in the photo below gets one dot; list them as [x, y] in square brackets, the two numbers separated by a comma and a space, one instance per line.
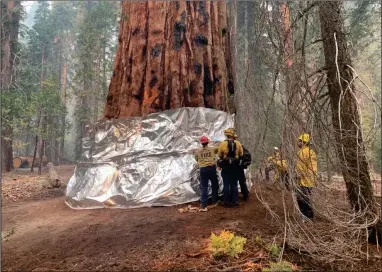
[274, 250]
[226, 244]
[283, 266]
[259, 241]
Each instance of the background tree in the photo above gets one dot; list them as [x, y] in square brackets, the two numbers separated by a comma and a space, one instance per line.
[95, 47]
[10, 23]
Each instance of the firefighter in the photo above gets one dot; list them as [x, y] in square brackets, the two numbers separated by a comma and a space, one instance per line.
[279, 166]
[229, 153]
[271, 167]
[205, 157]
[244, 163]
[306, 171]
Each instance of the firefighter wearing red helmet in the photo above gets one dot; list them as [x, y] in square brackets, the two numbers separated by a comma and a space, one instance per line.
[205, 157]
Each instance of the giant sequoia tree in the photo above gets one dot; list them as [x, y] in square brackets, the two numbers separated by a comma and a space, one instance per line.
[170, 54]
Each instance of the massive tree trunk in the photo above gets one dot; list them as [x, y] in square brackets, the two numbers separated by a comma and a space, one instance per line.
[170, 54]
[10, 22]
[345, 113]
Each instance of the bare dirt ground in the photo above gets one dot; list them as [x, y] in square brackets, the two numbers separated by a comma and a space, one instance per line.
[40, 233]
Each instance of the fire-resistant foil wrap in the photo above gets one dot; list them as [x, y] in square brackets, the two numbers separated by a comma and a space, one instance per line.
[144, 161]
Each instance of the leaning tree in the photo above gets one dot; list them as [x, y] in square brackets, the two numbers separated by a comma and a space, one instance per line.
[345, 112]
[170, 54]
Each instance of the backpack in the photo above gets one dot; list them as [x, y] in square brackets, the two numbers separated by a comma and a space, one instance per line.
[246, 159]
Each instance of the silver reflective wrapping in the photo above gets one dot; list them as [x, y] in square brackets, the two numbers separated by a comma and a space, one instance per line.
[144, 161]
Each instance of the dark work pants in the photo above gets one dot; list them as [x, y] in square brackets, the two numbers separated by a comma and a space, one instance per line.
[230, 175]
[208, 174]
[303, 201]
[243, 184]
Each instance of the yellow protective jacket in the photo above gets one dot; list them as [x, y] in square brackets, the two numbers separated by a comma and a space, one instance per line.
[281, 165]
[223, 150]
[206, 156]
[306, 167]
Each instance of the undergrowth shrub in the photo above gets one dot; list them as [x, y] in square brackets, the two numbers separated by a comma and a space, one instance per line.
[226, 244]
[274, 250]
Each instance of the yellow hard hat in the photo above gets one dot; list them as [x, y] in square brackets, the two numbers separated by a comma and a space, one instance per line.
[230, 132]
[304, 137]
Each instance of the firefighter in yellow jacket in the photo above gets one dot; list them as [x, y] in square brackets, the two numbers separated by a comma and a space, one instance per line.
[271, 162]
[229, 152]
[207, 166]
[280, 166]
[306, 171]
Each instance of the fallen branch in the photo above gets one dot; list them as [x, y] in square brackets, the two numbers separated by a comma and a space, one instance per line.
[194, 255]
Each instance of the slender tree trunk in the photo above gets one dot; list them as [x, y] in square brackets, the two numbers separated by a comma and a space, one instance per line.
[42, 65]
[63, 99]
[36, 145]
[10, 22]
[34, 153]
[41, 155]
[345, 113]
[170, 55]
[296, 116]
[49, 140]
[42, 143]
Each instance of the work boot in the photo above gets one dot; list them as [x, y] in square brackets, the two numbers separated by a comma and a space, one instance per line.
[203, 209]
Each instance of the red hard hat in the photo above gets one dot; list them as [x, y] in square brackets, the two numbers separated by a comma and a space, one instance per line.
[204, 140]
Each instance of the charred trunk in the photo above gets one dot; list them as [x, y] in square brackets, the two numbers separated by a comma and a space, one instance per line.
[170, 54]
[345, 113]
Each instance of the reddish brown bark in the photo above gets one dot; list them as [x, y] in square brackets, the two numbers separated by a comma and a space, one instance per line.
[287, 34]
[170, 55]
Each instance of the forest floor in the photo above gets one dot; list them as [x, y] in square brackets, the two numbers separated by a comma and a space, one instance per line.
[41, 233]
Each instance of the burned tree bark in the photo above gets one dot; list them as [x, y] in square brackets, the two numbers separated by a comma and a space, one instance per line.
[345, 113]
[10, 23]
[170, 54]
